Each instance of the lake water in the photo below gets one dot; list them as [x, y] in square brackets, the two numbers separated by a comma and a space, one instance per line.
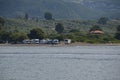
[60, 63]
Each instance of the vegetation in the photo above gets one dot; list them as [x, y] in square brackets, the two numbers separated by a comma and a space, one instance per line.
[16, 30]
[96, 27]
[36, 33]
[103, 20]
[2, 22]
[59, 28]
[4, 36]
[26, 16]
[48, 16]
[18, 37]
[117, 35]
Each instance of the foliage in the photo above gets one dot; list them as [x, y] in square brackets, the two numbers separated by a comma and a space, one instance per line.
[117, 35]
[4, 36]
[59, 28]
[12, 37]
[18, 37]
[48, 16]
[49, 25]
[26, 16]
[36, 33]
[74, 30]
[60, 37]
[103, 20]
[96, 27]
[2, 21]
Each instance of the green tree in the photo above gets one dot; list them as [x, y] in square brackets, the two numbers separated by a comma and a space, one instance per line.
[59, 28]
[96, 27]
[103, 20]
[117, 35]
[48, 16]
[36, 33]
[4, 36]
[26, 16]
[2, 21]
[18, 37]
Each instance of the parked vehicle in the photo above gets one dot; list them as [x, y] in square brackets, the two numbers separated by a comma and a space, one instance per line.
[26, 41]
[43, 41]
[55, 41]
[35, 41]
[67, 41]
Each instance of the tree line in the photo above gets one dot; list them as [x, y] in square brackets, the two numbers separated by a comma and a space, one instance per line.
[38, 33]
[18, 37]
[49, 16]
[75, 35]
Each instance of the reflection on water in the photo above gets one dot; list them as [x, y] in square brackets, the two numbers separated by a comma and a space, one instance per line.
[60, 63]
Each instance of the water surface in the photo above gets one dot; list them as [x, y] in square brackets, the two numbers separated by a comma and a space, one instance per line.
[60, 63]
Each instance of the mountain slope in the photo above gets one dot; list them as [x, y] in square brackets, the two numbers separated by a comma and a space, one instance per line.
[109, 8]
[61, 9]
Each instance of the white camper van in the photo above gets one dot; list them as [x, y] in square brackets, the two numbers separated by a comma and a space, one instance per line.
[67, 41]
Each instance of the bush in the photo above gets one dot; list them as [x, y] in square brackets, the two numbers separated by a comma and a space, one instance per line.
[59, 28]
[48, 16]
[5, 36]
[18, 37]
[36, 33]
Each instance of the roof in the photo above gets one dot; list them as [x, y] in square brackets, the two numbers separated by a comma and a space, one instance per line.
[97, 32]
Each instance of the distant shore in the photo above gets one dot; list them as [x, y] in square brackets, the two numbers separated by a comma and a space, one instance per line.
[62, 44]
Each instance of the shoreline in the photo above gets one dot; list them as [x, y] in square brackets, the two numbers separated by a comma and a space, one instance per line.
[62, 44]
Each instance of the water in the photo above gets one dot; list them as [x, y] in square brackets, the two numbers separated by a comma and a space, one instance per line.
[60, 63]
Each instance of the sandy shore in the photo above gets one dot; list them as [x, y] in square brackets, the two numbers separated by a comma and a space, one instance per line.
[62, 44]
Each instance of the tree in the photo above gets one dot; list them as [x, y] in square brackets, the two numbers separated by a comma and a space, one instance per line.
[26, 16]
[96, 27]
[2, 21]
[117, 35]
[59, 28]
[4, 36]
[36, 33]
[103, 20]
[18, 37]
[48, 16]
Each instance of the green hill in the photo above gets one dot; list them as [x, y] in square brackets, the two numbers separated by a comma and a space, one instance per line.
[48, 26]
[16, 30]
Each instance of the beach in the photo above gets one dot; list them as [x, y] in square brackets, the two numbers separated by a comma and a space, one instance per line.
[62, 44]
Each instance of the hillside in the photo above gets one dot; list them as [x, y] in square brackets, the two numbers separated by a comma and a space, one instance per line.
[109, 8]
[83, 26]
[61, 9]
[16, 30]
